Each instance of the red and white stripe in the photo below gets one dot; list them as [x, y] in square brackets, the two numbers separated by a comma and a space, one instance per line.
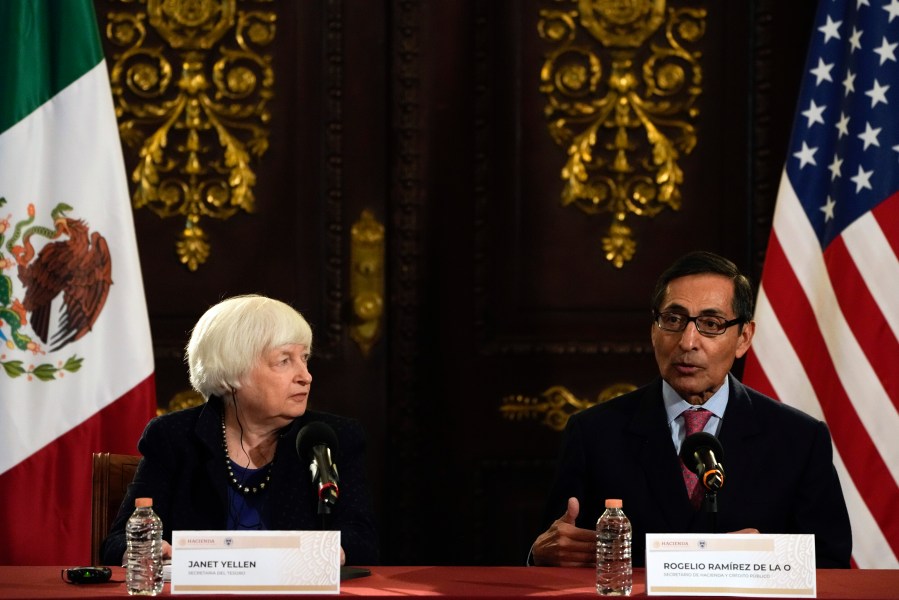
[827, 342]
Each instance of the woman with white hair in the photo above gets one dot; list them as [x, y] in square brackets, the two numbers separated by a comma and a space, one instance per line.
[232, 463]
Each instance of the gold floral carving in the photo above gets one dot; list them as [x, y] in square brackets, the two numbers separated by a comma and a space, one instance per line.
[367, 280]
[555, 405]
[181, 400]
[621, 83]
[192, 86]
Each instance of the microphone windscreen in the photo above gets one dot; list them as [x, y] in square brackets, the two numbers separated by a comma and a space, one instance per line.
[700, 440]
[314, 434]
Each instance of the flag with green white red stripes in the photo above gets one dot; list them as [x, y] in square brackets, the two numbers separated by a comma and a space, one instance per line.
[76, 363]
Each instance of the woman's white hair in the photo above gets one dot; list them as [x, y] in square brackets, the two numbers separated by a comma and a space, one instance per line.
[232, 335]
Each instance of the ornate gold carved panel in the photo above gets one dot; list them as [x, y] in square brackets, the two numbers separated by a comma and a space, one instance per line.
[191, 85]
[621, 83]
[367, 280]
[555, 405]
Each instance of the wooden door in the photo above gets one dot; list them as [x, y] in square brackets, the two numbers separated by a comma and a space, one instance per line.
[500, 312]
[507, 314]
[301, 74]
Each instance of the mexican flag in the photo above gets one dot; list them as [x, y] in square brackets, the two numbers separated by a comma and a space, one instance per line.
[76, 362]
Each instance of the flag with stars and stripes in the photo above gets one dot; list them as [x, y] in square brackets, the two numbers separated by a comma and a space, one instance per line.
[827, 339]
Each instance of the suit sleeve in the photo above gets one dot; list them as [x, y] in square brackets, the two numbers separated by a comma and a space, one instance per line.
[151, 480]
[570, 473]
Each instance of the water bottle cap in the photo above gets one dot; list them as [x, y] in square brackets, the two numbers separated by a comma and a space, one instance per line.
[613, 503]
[143, 502]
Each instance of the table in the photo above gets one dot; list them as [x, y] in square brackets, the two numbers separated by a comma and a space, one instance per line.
[486, 583]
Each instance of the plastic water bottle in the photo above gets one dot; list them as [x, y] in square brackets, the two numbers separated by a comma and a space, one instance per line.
[614, 569]
[143, 558]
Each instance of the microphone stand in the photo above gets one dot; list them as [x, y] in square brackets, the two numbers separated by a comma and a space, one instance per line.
[324, 513]
[327, 498]
[710, 505]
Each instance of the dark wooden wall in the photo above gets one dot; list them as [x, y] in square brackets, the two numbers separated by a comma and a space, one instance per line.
[428, 113]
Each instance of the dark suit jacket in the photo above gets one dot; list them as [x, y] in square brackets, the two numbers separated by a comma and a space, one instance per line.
[778, 465]
[183, 470]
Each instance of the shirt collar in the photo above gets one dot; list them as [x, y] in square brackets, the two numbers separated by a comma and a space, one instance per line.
[675, 405]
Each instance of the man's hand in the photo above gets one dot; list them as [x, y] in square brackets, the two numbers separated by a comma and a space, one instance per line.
[564, 544]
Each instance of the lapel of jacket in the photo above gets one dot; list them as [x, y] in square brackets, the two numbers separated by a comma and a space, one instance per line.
[659, 461]
[291, 491]
[209, 432]
[740, 425]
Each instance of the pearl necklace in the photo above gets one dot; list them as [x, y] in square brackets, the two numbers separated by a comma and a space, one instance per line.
[243, 489]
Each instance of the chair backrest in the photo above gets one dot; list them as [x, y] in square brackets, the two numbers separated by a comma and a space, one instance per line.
[111, 475]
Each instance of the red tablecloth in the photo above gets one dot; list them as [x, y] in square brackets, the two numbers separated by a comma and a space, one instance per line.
[489, 583]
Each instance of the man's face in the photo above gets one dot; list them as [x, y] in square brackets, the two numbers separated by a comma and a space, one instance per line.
[693, 364]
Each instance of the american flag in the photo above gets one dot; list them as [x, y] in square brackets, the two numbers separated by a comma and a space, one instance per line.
[827, 339]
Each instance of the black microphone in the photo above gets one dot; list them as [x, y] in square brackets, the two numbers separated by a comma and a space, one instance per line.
[317, 444]
[702, 453]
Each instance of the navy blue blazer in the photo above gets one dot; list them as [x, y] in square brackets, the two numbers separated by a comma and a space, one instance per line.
[183, 470]
[778, 465]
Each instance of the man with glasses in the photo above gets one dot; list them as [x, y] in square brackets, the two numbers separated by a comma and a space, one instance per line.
[777, 460]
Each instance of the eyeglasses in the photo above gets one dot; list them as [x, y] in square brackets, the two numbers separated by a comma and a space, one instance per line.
[707, 325]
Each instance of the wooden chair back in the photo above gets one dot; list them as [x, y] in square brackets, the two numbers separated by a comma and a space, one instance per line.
[111, 475]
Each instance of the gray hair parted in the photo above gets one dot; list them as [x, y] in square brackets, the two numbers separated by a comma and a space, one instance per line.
[232, 335]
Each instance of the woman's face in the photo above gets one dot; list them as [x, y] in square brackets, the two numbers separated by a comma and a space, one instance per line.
[277, 387]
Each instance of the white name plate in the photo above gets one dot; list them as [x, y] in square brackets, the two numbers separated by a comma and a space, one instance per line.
[730, 564]
[255, 562]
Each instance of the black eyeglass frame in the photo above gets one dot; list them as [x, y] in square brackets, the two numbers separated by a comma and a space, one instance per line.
[695, 320]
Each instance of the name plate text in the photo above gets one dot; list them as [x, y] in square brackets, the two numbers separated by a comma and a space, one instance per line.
[730, 565]
[256, 562]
